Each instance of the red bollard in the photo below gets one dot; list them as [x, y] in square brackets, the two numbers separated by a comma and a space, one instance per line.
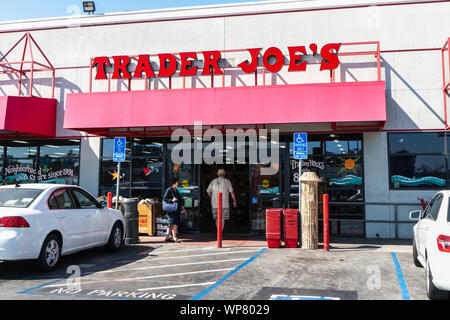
[109, 197]
[326, 224]
[219, 220]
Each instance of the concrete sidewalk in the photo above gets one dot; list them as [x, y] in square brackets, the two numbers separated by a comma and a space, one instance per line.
[259, 241]
[210, 240]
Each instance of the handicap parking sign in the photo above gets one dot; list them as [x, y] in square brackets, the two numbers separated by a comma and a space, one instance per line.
[300, 146]
[119, 149]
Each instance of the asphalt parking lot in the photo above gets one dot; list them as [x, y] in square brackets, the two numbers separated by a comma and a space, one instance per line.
[186, 272]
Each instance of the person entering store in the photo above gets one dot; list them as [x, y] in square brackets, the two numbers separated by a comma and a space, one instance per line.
[172, 205]
[221, 184]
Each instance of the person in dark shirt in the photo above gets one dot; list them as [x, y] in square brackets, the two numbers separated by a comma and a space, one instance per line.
[170, 196]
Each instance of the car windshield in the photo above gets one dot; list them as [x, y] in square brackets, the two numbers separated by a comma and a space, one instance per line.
[18, 197]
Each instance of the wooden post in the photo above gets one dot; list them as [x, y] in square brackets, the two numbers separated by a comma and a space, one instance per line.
[309, 210]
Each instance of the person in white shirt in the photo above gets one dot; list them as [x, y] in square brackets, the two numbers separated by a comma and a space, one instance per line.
[221, 184]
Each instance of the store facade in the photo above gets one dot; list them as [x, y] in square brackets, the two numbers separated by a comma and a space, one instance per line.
[369, 94]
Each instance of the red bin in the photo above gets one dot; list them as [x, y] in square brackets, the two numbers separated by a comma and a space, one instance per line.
[290, 228]
[273, 227]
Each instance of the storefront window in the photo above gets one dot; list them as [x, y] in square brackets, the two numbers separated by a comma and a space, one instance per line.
[343, 168]
[418, 160]
[147, 173]
[54, 151]
[46, 161]
[338, 161]
[20, 170]
[141, 175]
[109, 173]
[267, 185]
[416, 143]
[21, 152]
[144, 148]
[146, 177]
[53, 170]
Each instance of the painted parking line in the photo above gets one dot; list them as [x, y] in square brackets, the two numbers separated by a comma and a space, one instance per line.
[228, 275]
[166, 266]
[60, 287]
[29, 291]
[192, 256]
[296, 297]
[186, 250]
[146, 278]
[178, 286]
[400, 277]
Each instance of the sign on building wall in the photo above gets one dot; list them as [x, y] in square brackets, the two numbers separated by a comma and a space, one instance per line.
[272, 58]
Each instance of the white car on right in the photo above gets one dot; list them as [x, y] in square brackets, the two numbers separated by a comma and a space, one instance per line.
[431, 244]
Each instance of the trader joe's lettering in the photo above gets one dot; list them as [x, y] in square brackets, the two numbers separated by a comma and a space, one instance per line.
[273, 60]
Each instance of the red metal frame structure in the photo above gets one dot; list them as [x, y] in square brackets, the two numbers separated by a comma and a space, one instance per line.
[8, 66]
[25, 115]
[445, 83]
[259, 71]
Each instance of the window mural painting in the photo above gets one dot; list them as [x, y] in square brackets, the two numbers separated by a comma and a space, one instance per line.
[349, 179]
[418, 160]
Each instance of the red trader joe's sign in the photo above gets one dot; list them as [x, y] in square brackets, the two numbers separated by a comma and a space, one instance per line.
[168, 62]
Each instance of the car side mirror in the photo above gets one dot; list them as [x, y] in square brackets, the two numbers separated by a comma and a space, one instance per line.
[415, 215]
[103, 204]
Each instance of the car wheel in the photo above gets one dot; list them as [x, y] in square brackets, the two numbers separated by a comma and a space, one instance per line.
[50, 254]
[434, 293]
[415, 255]
[115, 241]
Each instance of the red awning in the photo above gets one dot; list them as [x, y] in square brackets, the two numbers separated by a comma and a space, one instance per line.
[27, 116]
[274, 104]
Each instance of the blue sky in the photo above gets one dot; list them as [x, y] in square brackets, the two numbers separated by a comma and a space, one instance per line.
[30, 9]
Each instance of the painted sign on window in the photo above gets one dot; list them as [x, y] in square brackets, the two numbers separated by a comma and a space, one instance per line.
[28, 174]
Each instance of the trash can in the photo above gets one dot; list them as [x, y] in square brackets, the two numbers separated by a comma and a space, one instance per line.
[290, 228]
[131, 215]
[273, 228]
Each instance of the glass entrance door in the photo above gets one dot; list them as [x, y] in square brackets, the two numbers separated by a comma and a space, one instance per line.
[189, 176]
[264, 193]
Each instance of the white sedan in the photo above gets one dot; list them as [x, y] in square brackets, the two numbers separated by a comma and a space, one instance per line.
[43, 222]
[431, 244]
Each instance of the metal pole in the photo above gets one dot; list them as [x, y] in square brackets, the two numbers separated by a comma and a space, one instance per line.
[299, 185]
[396, 221]
[219, 220]
[117, 187]
[326, 224]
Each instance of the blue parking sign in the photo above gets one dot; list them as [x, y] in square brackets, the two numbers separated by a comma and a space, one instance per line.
[119, 149]
[300, 149]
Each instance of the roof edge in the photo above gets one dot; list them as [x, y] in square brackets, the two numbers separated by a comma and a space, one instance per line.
[195, 12]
